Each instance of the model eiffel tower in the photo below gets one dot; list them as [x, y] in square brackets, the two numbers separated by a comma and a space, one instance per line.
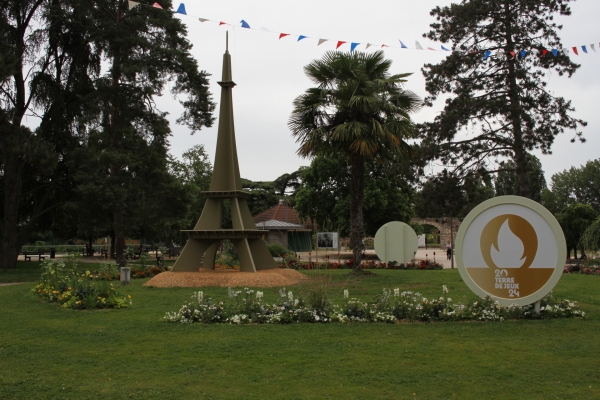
[208, 233]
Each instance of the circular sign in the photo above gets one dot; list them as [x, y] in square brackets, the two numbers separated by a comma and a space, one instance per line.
[396, 241]
[511, 249]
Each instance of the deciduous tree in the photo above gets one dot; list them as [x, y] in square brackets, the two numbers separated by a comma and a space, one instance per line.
[575, 185]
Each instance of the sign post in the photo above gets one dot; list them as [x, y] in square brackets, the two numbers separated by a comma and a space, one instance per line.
[511, 249]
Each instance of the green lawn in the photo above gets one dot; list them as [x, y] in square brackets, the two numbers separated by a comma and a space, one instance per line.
[47, 352]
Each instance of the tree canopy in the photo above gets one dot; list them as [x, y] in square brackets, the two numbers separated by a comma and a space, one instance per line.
[46, 69]
[90, 71]
[448, 195]
[499, 104]
[575, 185]
[324, 194]
[507, 182]
[575, 220]
[357, 109]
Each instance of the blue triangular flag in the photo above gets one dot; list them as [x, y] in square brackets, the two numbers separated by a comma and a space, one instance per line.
[555, 52]
[445, 49]
[402, 45]
[245, 24]
[181, 9]
[523, 53]
[487, 54]
[353, 46]
[301, 37]
[584, 49]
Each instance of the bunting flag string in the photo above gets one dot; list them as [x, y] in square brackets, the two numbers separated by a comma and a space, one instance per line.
[486, 54]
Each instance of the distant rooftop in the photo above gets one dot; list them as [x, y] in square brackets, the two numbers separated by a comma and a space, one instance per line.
[280, 212]
[274, 224]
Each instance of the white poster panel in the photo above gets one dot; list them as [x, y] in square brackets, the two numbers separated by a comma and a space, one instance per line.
[327, 240]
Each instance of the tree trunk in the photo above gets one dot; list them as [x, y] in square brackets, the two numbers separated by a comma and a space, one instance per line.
[10, 221]
[515, 110]
[119, 239]
[357, 187]
[112, 245]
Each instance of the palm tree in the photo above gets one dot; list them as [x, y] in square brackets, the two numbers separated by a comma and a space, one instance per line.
[358, 109]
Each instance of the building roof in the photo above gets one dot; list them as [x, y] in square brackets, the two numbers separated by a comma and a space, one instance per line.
[280, 212]
[274, 224]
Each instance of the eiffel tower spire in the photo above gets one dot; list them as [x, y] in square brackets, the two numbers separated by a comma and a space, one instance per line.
[226, 184]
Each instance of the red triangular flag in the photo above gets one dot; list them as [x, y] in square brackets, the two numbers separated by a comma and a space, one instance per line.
[156, 5]
[339, 44]
[384, 45]
[513, 54]
[575, 51]
[222, 23]
[544, 52]
[283, 35]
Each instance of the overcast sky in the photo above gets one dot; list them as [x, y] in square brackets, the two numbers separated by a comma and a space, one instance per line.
[269, 71]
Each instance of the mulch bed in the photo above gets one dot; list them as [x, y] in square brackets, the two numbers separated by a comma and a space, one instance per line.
[277, 277]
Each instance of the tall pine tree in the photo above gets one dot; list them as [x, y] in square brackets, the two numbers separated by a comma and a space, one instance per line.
[46, 69]
[499, 105]
[146, 51]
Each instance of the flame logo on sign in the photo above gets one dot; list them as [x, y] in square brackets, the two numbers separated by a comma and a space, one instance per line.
[508, 241]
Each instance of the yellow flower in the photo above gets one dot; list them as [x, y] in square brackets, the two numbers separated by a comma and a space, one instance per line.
[129, 296]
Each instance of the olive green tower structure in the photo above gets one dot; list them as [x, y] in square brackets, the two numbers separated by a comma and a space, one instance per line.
[207, 235]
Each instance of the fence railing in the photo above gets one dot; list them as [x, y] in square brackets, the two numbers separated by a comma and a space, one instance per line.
[69, 248]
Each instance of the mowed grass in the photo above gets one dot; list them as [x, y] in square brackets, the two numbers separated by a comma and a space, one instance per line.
[47, 352]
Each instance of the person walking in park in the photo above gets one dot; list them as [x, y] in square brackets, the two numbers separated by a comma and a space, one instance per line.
[448, 251]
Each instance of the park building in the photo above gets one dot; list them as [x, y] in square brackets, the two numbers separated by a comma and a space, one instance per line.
[282, 225]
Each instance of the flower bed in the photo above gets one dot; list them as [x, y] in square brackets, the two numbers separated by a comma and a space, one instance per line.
[581, 269]
[349, 264]
[62, 283]
[247, 306]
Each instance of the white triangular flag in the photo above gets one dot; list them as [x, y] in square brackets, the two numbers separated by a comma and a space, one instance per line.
[132, 4]
[369, 45]
[203, 19]
[593, 46]
[418, 45]
[321, 41]
[566, 51]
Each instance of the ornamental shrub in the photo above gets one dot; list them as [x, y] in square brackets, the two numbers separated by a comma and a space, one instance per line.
[61, 282]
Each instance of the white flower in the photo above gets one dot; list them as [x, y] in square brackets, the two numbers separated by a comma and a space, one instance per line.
[259, 295]
[296, 301]
[396, 292]
[346, 293]
[290, 296]
[444, 289]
